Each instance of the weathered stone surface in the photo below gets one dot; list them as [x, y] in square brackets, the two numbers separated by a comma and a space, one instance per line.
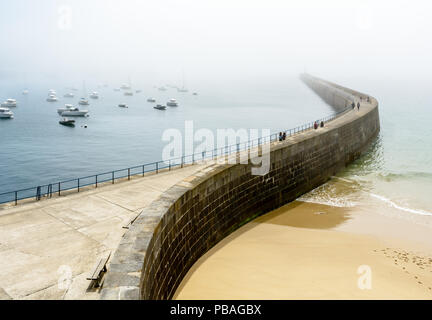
[118, 279]
[190, 218]
[129, 293]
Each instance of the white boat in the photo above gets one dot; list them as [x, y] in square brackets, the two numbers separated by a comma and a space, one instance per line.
[94, 95]
[5, 113]
[162, 89]
[128, 93]
[74, 112]
[83, 102]
[52, 91]
[151, 100]
[69, 95]
[9, 103]
[172, 103]
[123, 105]
[25, 92]
[125, 86]
[52, 98]
[66, 108]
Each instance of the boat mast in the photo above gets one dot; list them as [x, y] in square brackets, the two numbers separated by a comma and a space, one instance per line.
[84, 90]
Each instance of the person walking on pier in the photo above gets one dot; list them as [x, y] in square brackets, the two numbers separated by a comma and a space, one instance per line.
[315, 125]
[280, 136]
[358, 105]
[284, 136]
[353, 105]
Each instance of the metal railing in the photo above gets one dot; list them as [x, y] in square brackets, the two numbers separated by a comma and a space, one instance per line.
[48, 190]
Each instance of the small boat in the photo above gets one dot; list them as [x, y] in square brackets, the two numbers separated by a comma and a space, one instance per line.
[9, 103]
[74, 112]
[5, 113]
[69, 95]
[125, 86]
[151, 100]
[94, 95]
[52, 91]
[182, 90]
[116, 89]
[128, 93]
[160, 107]
[52, 98]
[162, 89]
[25, 92]
[138, 91]
[83, 102]
[194, 94]
[123, 105]
[172, 103]
[67, 122]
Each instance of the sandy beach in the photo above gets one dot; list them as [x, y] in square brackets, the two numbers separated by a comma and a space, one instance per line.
[314, 251]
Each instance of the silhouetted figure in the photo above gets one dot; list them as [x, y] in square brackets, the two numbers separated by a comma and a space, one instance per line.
[358, 105]
[280, 136]
[284, 136]
[322, 124]
[353, 105]
[315, 125]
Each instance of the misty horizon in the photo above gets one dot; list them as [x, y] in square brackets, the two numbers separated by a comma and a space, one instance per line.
[212, 42]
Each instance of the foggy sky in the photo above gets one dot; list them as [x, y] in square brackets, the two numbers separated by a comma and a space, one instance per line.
[214, 39]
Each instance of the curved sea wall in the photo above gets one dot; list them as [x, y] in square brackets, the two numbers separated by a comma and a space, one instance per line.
[173, 232]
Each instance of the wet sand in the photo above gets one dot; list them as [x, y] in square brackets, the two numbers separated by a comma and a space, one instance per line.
[313, 251]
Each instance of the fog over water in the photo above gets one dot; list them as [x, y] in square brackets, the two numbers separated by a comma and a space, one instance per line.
[242, 57]
[213, 41]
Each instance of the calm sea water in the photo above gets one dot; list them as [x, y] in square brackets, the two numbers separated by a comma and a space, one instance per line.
[397, 170]
[36, 150]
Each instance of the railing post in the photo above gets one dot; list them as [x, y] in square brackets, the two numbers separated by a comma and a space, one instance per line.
[157, 167]
[182, 161]
[169, 166]
[38, 192]
[16, 197]
[78, 185]
[193, 158]
[113, 177]
[59, 186]
[128, 173]
[96, 181]
[143, 170]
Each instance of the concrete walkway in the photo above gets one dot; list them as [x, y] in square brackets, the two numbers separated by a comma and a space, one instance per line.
[47, 248]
